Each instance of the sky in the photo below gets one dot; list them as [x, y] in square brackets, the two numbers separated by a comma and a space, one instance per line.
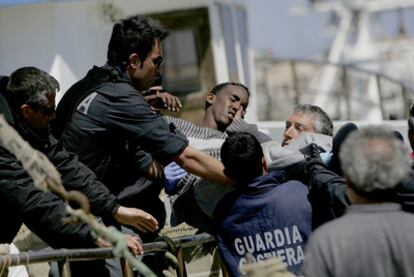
[12, 2]
[283, 41]
[290, 35]
[308, 35]
[16, 2]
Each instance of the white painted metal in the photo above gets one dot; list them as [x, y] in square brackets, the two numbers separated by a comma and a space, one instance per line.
[219, 49]
[66, 37]
[355, 18]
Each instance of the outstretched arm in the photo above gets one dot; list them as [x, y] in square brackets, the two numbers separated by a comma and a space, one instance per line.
[203, 165]
[326, 190]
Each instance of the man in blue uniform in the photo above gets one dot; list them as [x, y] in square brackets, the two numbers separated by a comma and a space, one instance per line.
[266, 216]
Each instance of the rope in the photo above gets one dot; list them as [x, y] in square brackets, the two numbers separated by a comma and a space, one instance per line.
[27, 258]
[46, 177]
[170, 255]
[5, 253]
[273, 267]
[171, 252]
[170, 244]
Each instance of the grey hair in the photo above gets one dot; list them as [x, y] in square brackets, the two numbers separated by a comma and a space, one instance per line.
[323, 123]
[31, 85]
[373, 160]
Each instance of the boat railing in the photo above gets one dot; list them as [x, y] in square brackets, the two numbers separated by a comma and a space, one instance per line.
[348, 92]
[174, 248]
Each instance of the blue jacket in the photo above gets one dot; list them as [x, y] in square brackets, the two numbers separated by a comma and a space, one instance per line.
[268, 218]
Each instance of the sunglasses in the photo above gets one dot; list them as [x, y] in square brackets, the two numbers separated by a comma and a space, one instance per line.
[158, 61]
[48, 111]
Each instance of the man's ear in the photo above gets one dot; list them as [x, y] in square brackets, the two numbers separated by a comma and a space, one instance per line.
[211, 97]
[134, 61]
[26, 111]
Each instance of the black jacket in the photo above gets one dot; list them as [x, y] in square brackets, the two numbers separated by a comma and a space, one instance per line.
[22, 202]
[42, 212]
[326, 194]
[329, 200]
[113, 129]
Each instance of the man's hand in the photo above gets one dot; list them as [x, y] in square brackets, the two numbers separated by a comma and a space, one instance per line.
[314, 158]
[173, 174]
[133, 243]
[239, 114]
[163, 100]
[137, 218]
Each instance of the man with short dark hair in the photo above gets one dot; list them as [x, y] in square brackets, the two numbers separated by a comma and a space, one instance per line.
[23, 202]
[31, 96]
[113, 129]
[374, 237]
[225, 106]
[267, 216]
[28, 102]
[222, 104]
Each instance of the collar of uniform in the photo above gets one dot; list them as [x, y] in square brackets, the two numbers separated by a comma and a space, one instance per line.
[373, 208]
[264, 183]
[116, 73]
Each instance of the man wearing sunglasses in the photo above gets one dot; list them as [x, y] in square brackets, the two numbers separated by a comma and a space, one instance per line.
[113, 129]
[27, 99]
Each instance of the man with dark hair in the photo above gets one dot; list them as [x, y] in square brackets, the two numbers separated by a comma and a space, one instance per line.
[225, 106]
[138, 36]
[31, 96]
[113, 129]
[223, 102]
[374, 237]
[266, 216]
[28, 102]
[306, 118]
[42, 213]
[242, 157]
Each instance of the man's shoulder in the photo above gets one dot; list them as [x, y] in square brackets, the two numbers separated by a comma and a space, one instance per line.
[225, 205]
[105, 80]
[118, 89]
[345, 225]
[279, 177]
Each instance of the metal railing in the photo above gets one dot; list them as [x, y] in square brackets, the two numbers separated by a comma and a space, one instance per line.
[282, 84]
[68, 255]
